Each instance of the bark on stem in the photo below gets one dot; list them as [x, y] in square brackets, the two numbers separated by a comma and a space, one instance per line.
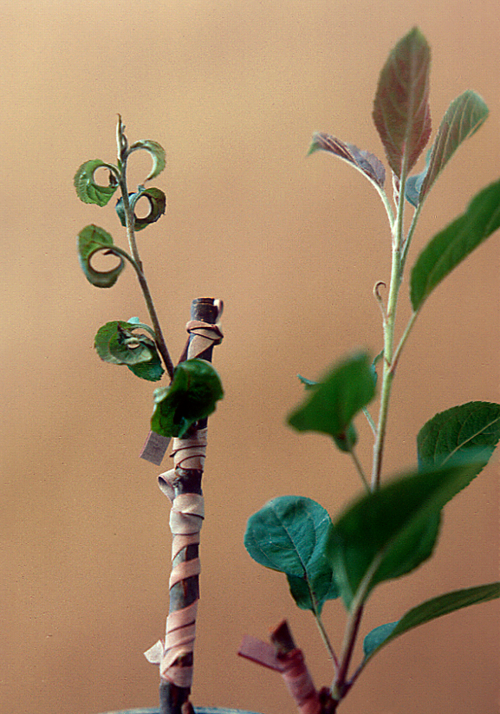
[183, 486]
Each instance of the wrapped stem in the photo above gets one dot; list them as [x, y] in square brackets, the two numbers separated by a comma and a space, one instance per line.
[182, 485]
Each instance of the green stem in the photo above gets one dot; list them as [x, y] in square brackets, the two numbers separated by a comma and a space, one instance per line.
[129, 222]
[326, 639]
[389, 328]
[359, 469]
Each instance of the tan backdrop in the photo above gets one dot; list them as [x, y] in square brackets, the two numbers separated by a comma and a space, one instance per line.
[233, 90]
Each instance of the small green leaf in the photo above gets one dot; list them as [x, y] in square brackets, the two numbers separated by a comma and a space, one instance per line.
[455, 242]
[389, 533]
[192, 395]
[91, 240]
[427, 611]
[401, 109]
[118, 343]
[157, 153]
[472, 426]
[368, 164]
[336, 400]
[88, 190]
[157, 204]
[308, 383]
[289, 535]
[463, 118]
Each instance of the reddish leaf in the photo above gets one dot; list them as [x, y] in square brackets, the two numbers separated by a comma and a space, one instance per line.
[401, 109]
[362, 160]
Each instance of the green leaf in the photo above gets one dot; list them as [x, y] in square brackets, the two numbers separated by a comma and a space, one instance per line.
[92, 240]
[462, 119]
[333, 403]
[118, 342]
[455, 242]
[401, 109]
[389, 533]
[368, 164]
[88, 190]
[427, 611]
[157, 153]
[289, 535]
[157, 204]
[192, 395]
[469, 428]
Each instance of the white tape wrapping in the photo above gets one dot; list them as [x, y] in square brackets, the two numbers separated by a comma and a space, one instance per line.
[186, 519]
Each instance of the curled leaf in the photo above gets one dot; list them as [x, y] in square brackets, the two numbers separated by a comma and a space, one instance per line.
[92, 240]
[157, 153]
[88, 190]
[401, 109]
[157, 204]
[362, 160]
[192, 395]
[118, 342]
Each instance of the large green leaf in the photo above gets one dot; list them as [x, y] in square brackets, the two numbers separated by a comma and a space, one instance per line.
[289, 534]
[118, 342]
[332, 404]
[462, 119]
[92, 240]
[88, 190]
[192, 395]
[427, 611]
[472, 427]
[388, 533]
[401, 109]
[455, 242]
[366, 163]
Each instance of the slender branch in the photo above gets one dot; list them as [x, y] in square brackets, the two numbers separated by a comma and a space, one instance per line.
[359, 469]
[129, 222]
[326, 639]
[389, 327]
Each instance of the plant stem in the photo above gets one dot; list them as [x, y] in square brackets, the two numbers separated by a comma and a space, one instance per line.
[359, 469]
[129, 220]
[389, 324]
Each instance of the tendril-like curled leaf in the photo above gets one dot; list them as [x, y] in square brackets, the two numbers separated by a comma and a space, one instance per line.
[157, 204]
[88, 190]
[192, 395]
[91, 240]
[157, 153]
[118, 343]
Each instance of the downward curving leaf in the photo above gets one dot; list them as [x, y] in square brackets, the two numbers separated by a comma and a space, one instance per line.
[87, 189]
[366, 163]
[463, 118]
[473, 427]
[401, 109]
[455, 242]
[192, 395]
[389, 533]
[92, 240]
[118, 342]
[157, 204]
[427, 611]
[157, 153]
[334, 402]
[289, 535]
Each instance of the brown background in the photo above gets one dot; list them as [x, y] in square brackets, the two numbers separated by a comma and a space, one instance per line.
[233, 90]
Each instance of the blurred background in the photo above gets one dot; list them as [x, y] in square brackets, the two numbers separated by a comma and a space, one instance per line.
[293, 245]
